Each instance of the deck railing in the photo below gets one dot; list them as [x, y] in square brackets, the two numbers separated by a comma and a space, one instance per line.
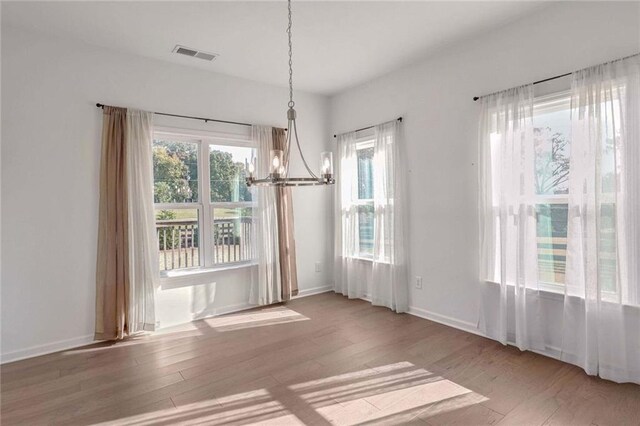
[232, 240]
[179, 242]
[552, 257]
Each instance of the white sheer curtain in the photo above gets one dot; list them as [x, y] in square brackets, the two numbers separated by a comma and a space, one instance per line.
[349, 271]
[386, 272]
[601, 327]
[389, 277]
[266, 284]
[508, 220]
[143, 250]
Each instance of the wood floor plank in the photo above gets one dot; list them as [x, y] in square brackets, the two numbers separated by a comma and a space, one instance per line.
[461, 411]
[318, 360]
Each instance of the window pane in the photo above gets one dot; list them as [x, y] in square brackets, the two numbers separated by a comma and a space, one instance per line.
[607, 248]
[228, 165]
[552, 125]
[365, 173]
[177, 231]
[232, 235]
[552, 242]
[175, 171]
[365, 230]
[551, 143]
[610, 144]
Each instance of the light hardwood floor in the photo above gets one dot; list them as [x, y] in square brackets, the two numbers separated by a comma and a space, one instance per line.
[319, 360]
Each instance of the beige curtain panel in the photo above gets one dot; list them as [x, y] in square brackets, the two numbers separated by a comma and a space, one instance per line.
[112, 269]
[127, 259]
[286, 241]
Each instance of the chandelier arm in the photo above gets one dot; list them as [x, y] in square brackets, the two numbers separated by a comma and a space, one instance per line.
[295, 130]
[287, 150]
[270, 181]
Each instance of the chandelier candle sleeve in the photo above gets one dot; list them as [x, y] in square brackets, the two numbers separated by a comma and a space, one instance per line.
[277, 163]
[326, 164]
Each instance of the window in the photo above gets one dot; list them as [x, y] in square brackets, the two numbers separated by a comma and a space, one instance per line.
[551, 121]
[552, 144]
[364, 202]
[203, 207]
[551, 176]
[231, 203]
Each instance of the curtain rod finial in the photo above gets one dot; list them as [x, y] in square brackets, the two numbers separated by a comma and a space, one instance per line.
[475, 98]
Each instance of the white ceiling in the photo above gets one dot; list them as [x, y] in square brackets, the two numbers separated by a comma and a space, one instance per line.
[336, 44]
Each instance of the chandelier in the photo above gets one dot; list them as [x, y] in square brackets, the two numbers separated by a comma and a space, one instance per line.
[278, 166]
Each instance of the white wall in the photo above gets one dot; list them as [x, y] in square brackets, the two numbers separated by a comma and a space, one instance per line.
[440, 122]
[50, 168]
[50, 157]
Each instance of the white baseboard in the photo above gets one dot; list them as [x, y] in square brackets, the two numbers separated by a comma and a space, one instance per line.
[47, 348]
[469, 327]
[76, 342]
[446, 320]
[312, 291]
[222, 310]
[551, 352]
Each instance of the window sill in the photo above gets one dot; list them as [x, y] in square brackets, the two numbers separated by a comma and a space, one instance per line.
[368, 259]
[365, 259]
[546, 290]
[556, 292]
[198, 276]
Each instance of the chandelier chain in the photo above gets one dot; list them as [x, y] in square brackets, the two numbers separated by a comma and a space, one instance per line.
[276, 175]
[291, 103]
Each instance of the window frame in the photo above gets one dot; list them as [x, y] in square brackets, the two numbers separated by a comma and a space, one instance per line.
[363, 142]
[204, 205]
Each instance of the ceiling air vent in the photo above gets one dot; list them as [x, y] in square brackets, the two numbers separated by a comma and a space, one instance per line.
[194, 53]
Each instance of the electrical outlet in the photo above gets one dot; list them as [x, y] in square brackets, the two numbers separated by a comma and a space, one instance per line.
[318, 267]
[419, 283]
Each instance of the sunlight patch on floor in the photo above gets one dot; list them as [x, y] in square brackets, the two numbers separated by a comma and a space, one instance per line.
[392, 393]
[255, 318]
[239, 321]
[360, 384]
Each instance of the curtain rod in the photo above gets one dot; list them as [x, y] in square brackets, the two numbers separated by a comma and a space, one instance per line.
[367, 128]
[193, 118]
[475, 98]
